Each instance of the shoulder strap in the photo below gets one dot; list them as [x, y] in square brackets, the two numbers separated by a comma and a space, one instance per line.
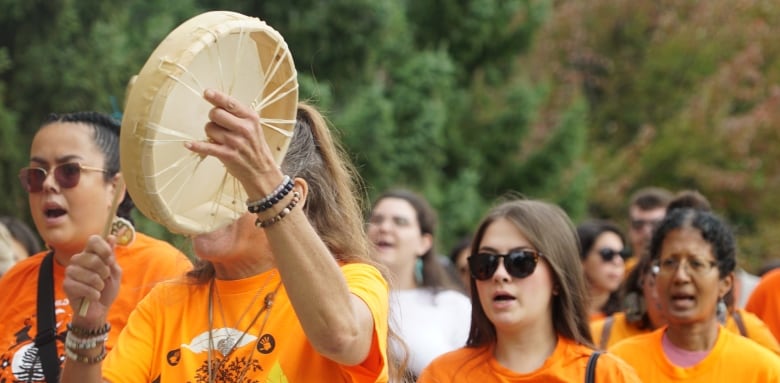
[605, 332]
[740, 323]
[590, 371]
[46, 337]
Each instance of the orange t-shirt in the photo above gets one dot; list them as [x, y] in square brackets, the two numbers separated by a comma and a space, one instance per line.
[619, 329]
[167, 336]
[566, 364]
[755, 330]
[732, 359]
[144, 262]
[764, 301]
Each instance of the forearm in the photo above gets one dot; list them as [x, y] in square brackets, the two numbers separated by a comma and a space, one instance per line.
[335, 324]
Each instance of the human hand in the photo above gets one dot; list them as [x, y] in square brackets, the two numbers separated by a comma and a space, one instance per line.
[93, 275]
[236, 138]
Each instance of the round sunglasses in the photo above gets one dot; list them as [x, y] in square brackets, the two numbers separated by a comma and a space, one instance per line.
[608, 254]
[67, 175]
[518, 263]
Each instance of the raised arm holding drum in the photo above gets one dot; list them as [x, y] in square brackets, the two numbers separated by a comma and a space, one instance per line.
[285, 292]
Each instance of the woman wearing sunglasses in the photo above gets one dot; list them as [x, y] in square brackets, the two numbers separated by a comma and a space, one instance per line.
[603, 253]
[693, 252]
[71, 182]
[528, 322]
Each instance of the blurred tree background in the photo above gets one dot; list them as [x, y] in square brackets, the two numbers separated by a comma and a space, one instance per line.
[578, 102]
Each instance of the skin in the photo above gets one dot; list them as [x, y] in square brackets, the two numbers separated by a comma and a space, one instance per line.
[603, 277]
[689, 301]
[86, 206]
[395, 232]
[338, 324]
[651, 301]
[640, 238]
[524, 320]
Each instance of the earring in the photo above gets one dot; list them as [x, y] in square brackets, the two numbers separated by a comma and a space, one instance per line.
[721, 310]
[123, 230]
[418, 271]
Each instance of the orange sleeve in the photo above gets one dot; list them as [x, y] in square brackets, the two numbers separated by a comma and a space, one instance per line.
[765, 301]
[756, 329]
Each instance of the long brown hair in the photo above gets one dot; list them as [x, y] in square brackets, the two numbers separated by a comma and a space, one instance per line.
[551, 232]
[332, 206]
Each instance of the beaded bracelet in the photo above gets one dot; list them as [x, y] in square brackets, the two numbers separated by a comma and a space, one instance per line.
[270, 200]
[74, 342]
[260, 223]
[87, 333]
[70, 354]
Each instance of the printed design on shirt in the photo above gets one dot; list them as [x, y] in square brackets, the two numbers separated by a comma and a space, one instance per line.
[23, 356]
[223, 338]
[266, 344]
[276, 374]
[174, 357]
[229, 371]
[231, 368]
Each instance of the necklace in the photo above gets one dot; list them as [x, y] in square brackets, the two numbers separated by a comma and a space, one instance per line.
[227, 346]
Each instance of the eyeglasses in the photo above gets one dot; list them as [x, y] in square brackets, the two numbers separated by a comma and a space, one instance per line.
[693, 266]
[66, 175]
[518, 263]
[608, 254]
[639, 224]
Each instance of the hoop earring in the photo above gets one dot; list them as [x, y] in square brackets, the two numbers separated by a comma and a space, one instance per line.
[123, 230]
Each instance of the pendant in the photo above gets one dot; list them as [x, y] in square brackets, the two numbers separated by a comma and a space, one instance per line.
[225, 345]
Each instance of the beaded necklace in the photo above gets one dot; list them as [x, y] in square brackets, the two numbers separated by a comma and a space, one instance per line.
[226, 346]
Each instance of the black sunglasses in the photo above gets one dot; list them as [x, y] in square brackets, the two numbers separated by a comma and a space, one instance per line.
[608, 254]
[518, 263]
[66, 175]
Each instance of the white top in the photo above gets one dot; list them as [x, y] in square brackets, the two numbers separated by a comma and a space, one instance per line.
[429, 324]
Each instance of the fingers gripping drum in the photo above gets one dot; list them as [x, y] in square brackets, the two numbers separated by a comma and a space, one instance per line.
[238, 55]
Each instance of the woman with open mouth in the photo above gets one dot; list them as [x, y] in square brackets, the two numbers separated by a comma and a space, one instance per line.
[694, 253]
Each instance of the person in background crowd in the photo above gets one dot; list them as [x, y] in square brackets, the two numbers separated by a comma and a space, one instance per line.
[431, 313]
[603, 252]
[25, 241]
[765, 301]
[694, 252]
[529, 322]
[642, 311]
[7, 254]
[458, 256]
[646, 208]
[71, 180]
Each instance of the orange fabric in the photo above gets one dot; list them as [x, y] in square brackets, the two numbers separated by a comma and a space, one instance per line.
[756, 329]
[166, 338]
[596, 316]
[621, 329]
[765, 301]
[144, 263]
[732, 359]
[566, 364]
